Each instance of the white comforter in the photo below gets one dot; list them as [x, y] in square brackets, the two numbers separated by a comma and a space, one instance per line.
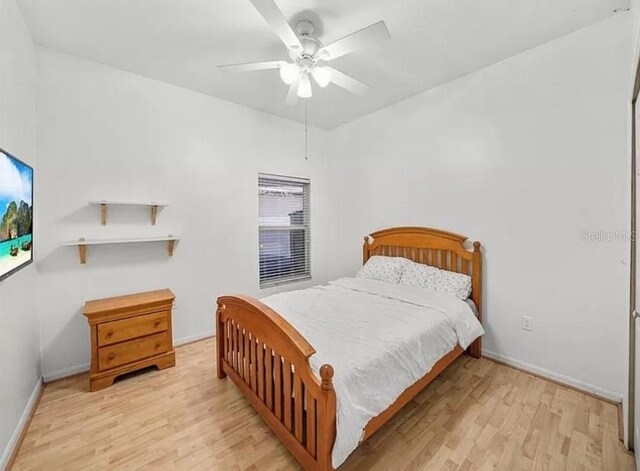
[380, 339]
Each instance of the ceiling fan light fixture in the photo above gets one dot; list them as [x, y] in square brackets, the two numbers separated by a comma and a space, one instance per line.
[322, 76]
[304, 89]
[289, 73]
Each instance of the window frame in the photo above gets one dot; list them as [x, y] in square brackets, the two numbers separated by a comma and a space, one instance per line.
[284, 180]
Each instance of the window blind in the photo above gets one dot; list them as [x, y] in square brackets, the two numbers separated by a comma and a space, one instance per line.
[284, 217]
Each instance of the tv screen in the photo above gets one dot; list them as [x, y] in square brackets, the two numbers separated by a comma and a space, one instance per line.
[16, 214]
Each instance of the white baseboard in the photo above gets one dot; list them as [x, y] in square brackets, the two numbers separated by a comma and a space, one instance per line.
[84, 367]
[66, 372]
[13, 442]
[636, 437]
[560, 378]
[193, 338]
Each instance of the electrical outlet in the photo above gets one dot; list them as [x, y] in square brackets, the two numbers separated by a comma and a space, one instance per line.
[527, 323]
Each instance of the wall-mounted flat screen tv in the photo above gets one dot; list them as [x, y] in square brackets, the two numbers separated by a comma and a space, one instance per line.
[16, 214]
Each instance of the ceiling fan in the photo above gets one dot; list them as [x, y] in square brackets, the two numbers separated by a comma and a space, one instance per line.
[306, 52]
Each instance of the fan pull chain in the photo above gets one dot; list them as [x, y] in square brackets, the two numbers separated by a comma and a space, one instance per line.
[306, 133]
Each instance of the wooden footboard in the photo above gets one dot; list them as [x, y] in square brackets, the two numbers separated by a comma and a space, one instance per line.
[269, 361]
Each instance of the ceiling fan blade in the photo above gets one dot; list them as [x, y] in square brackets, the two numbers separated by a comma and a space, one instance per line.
[348, 83]
[368, 36]
[292, 94]
[272, 14]
[251, 66]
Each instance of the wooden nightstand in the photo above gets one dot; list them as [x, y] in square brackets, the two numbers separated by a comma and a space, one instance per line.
[129, 333]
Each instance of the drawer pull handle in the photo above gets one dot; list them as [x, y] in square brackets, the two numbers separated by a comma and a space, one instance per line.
[157, 323]
[158, 344]
[110, 333]
[111, 356]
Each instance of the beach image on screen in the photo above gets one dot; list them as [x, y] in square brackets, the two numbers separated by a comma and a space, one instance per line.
[16, 214]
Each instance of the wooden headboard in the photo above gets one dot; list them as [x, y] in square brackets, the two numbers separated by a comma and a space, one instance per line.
[432, 247]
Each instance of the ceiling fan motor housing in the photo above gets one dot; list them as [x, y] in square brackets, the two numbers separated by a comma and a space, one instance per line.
[304, 28]
[310, 45]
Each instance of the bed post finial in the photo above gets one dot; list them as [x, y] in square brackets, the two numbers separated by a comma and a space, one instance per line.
[365, 249]
[476, 246]
[221, 307]
[326, 373]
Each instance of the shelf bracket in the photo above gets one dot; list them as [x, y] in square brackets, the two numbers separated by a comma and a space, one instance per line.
[103, 214]
[82, 249]
[170, 245]
[154, 214]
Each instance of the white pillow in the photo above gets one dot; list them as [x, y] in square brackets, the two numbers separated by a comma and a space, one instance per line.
[383, 268]
[457, 284]
[417, 274]
[442, 281]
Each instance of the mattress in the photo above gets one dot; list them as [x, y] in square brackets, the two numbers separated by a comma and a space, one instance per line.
[380, 339]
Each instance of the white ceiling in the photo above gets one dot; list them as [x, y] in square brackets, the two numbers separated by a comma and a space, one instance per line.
[182, 41]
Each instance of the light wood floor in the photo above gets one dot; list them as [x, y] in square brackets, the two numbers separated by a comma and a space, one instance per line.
[477, 415]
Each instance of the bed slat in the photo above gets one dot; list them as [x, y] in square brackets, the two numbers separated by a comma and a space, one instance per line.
[298, 399]
[277, 365]
[245, 356]
[234, 327]
[230, 342]
[261, 370]
[241, 352]
[311, 424]
[226, 340]
[254, 365]
[286, 392]
[269, 377]
[232, 358]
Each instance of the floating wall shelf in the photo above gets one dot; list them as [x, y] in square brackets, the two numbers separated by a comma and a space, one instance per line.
[151, 204]
[83, 243]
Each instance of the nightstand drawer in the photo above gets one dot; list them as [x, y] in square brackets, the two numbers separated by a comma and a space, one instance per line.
[132, 328]
[132, 351]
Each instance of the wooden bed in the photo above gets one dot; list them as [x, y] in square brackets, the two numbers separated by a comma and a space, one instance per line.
[269, 360]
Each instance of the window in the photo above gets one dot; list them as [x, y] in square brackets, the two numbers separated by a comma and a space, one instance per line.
[284, 229]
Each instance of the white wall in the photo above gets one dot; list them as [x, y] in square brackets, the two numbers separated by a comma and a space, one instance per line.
[108, 134]
[19, 333]
[522, 156]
